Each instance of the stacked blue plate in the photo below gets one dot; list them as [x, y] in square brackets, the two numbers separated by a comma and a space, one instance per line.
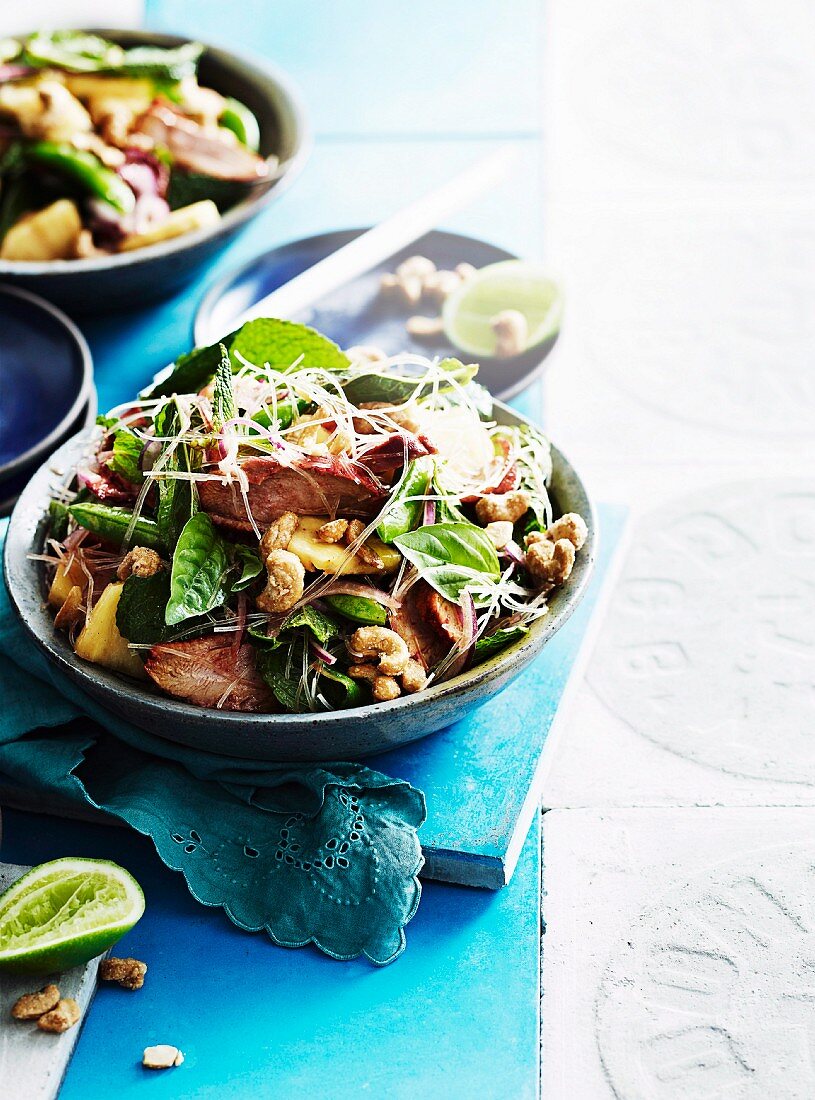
[46, 387]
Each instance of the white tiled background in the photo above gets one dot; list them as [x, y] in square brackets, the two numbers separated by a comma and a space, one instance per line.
[680, 845]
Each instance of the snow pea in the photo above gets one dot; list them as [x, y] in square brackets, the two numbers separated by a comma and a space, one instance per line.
[111, 523]
[359, 609]
[237, 117]
[86, 170]
[403, 512]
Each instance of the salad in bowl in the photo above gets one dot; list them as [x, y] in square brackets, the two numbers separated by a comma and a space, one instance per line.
[278, 526]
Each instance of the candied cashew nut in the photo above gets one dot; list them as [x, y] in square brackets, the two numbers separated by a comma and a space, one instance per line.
[32, 1005]
[70, 612]
[332, 531]
[139, 562]
[572, 527]
[499, 532]
[366, 353]
[383, 688]
[439, 285]
[279, 535]
[419, 267]
[162, 1056]
[511, 333]
[363, 552]
[550, 563]
[465, 271]
[404, 289]
[60, 1018]
[128, 973]
[414, 677]
[424, 328]
[379, 641]
[502, 506]
[284, 582]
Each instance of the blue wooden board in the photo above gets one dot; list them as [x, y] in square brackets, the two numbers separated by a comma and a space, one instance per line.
[455, 1016]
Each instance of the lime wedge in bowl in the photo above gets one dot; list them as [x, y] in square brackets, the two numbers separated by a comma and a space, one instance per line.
[511, 284]
[64, 913]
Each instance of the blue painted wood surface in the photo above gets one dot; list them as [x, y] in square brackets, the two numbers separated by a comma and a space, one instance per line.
[455, 1016]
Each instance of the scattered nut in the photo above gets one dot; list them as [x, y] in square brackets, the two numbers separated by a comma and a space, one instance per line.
[550, 563]
[366, 353]
[279, 535]
[417, 267]
[32, 1005]
[128, 973]
[285, 577]
[71, 610]
[332, 531]
[139, 562]
[424, 328]
[379, 641]
[414, 677]
[60, 1018]
[162, 1056]
[406, 290]
[572, 527]
[502, 506]
[511, 333]
[383, 688]
[363, 552]
[440, 285]
[465, 271]
[499, 532]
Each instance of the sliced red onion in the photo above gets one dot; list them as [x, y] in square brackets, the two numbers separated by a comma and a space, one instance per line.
[429, 516]
[149, 455]
[144, 173]
[14, 72]
[241, 615]
[149, 211]
[353, 588]
[326, 657]
[513, 551]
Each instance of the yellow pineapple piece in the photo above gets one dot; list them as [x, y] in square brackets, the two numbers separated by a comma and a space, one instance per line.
[100, 640]
[332, 557]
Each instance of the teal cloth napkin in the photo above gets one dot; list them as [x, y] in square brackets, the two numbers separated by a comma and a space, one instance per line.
[324, 854]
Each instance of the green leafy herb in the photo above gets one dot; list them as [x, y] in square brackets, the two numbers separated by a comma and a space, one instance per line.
[58, 514]
[223, 399]
[249, 564]
[359, 609]
[141, 607]
[403, 511]
[177, 497]
[127, 449]
[490, 644]
[200, 565]
[111, 524]
[283, 669]
[189, 187]
[450, 556]
[376, 385]
[305, 619]
[173, 64]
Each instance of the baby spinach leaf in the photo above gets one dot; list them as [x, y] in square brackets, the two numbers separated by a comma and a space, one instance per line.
[488, 645]
[140, 611]
[403, 512]
[450, 556]
[223, 399]
[127, 449]
[200, 565]
[249, 564]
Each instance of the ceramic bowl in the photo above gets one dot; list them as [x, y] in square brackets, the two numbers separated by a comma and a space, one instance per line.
[133, 278]
[339, 735]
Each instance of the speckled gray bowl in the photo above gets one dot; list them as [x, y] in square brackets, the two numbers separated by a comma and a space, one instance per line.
[340, 735]
[129, 279]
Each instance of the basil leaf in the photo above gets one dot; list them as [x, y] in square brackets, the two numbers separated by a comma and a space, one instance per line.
[341, 691]
[451, 557]
[249, 564]
[200, 565]
[140, 611]
[223, 399]
[373, 385]
[127, 449]
[488, 645]
[403, 513]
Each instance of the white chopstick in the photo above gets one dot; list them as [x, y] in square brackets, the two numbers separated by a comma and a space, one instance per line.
[385, 239]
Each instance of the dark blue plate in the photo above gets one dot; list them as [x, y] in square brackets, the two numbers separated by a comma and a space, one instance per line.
[355, 314]
[46, 381]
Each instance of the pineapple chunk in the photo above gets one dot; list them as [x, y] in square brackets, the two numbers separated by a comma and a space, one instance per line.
[49, 234]
[90, 86]
[64, 580]
[100, 640]
[330, 557]
[199, 215]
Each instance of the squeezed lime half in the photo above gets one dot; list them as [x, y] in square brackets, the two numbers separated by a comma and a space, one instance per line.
[64, 913]
[510, 284]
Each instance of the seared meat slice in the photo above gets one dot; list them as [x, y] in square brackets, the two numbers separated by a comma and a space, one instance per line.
[317, 485]
[502, 476]
[210, 672]
[107, 486]
[429, 624]
[388, 456]
[199, 150]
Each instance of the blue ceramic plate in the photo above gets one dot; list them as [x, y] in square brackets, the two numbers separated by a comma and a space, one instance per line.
[355, 314]
[46, 382]
[336, 735]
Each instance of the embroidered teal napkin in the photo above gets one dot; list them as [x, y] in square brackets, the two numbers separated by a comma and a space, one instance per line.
[320, 854]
